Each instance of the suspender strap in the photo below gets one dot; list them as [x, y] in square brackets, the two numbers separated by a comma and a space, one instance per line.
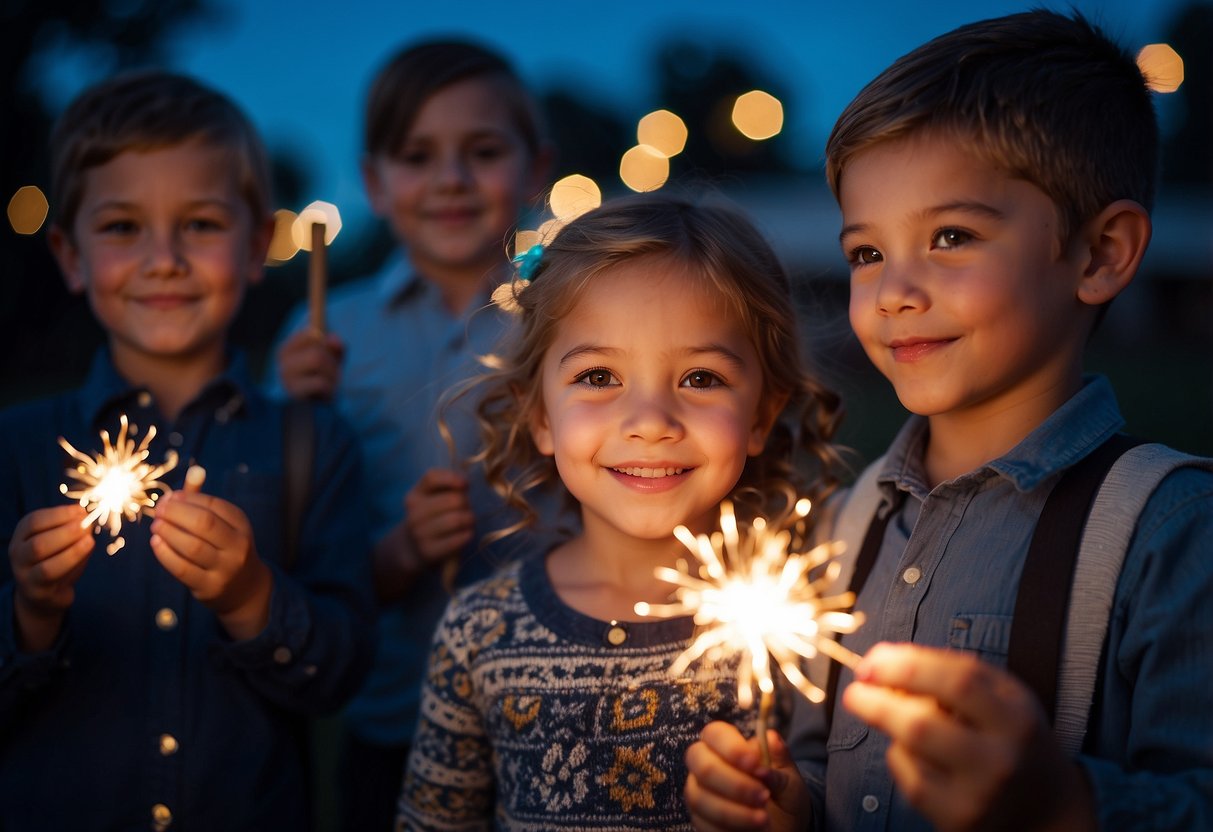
[863, 568]
[1039, 623]
[298, 452]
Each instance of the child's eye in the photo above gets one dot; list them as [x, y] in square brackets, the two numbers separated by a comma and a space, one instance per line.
[701, 380]
[203, 224]
[117, 227]
[488, 152]
[414, 158]
[597, 377]
[864, 256]
[950, 238]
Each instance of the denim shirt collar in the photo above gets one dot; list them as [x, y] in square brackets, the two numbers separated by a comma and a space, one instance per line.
[1075, 429]
[105, 392]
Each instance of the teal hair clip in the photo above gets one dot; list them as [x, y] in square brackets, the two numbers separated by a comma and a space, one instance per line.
[529, 261]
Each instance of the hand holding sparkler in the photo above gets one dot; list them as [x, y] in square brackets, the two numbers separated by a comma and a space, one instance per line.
[48, 552]
[207, 544]
[309, 364]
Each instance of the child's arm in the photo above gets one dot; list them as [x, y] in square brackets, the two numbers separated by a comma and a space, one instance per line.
[438, 522]
[728, 788]
[48, 552]
[969, 742]
[309, 364]
[449, 783]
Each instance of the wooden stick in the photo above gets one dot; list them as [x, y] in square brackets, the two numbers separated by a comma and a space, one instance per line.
[317, 275]
[764, 718]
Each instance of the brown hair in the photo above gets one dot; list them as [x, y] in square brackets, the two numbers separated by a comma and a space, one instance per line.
[1047, 98]
[407, 81]
[722, 247]
[149, 110]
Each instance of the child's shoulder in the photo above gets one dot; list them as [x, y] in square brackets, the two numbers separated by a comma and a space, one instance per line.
[35, 417]
[495, 591]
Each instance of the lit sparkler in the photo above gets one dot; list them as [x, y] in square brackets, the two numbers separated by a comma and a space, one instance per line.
[751, 596]
[116, 483]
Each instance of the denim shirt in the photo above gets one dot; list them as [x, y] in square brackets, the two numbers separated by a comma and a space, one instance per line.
[946, 576]
[145, 714]
[404, 350]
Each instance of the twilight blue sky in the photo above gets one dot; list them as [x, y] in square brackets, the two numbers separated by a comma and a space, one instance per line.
[301, 68]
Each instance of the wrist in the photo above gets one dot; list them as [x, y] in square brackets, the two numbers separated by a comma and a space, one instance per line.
[37, 625]
[249, 614]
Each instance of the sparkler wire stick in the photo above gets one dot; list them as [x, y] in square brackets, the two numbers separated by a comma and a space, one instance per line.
[749, 596]
[317, 275]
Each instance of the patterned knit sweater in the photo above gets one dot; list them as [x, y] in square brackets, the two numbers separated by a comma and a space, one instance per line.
[536, 717]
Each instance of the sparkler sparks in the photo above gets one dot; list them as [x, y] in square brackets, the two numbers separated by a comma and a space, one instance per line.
[751, 596]
[116, 483]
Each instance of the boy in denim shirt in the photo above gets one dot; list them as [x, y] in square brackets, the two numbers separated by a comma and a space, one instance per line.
[169, 685]
[995, 187]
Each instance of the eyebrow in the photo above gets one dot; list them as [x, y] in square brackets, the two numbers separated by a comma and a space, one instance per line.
[961, 206]
[719, 350]
[128, 205]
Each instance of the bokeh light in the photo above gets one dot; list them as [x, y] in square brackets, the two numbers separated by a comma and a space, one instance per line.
[27, 210]
[663, 131]
[573, 195]
[318, 211]
[282, 244]
[644, 169]
[758, 115]
[1162, 67]
[524, 239]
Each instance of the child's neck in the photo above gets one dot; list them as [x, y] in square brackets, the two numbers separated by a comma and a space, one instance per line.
[605, 580]
[963, 441]
[460, 287]
[173, 383]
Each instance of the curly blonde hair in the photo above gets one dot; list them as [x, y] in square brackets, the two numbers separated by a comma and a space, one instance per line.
[721, 246]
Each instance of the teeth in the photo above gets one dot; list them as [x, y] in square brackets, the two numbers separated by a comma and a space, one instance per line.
[649, 473]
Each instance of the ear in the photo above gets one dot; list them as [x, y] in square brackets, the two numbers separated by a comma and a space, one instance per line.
[1115, 240]
[541, 431]
[372, 183]
[67, 255]
[540, 170]
[259, 247]
[768, 411]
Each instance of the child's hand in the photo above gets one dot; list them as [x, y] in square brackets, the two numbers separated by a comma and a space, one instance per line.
[309, 364]
[48, 551]
[207, 544]
[438, 514]
[970, 747]
[728, 788]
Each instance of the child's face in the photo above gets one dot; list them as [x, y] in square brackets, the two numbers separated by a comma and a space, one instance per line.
[960, 294]
[163, 244]
[651, 397]
[455, 189]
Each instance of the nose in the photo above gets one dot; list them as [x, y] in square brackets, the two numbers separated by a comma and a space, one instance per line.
[651, 416]
[164, 253]
[900, 291]
[452, 171]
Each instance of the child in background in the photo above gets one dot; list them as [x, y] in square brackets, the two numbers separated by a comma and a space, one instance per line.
[656, 372]
[454, 149]
[995, 187]
[170, 684]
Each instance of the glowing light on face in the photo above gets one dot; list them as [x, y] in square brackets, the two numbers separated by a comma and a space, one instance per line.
[750, 596]
[117, 483]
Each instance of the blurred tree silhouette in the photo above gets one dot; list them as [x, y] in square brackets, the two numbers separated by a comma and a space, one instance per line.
[1188, 153]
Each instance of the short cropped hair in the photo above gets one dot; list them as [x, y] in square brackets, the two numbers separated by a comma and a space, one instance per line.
[1047, 98]
[411, 76]
[151, 110]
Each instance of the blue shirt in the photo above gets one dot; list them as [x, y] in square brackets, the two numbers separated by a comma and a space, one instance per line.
[145, 710]
[946, 576]
[403, 351]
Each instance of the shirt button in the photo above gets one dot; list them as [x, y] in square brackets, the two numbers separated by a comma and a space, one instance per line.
[175, 439]
[912, 575]
[161, 817]
[166, 619]
[282, 654]
[870, 803]
[617, 635]
[168, 745]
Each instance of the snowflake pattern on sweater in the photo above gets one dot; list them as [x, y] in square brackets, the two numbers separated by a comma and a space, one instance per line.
[531, 719]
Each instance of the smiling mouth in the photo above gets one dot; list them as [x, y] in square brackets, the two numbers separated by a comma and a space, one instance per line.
[649, 473]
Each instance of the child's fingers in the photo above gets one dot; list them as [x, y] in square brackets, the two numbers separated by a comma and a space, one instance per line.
[185, 570]
[916, 722]
[724, 740]
[925, 786]
[712, 812]
[60, 564]
[437, 480]
[210, 518]
[974, 691]
[46, 519]
[716, 777]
